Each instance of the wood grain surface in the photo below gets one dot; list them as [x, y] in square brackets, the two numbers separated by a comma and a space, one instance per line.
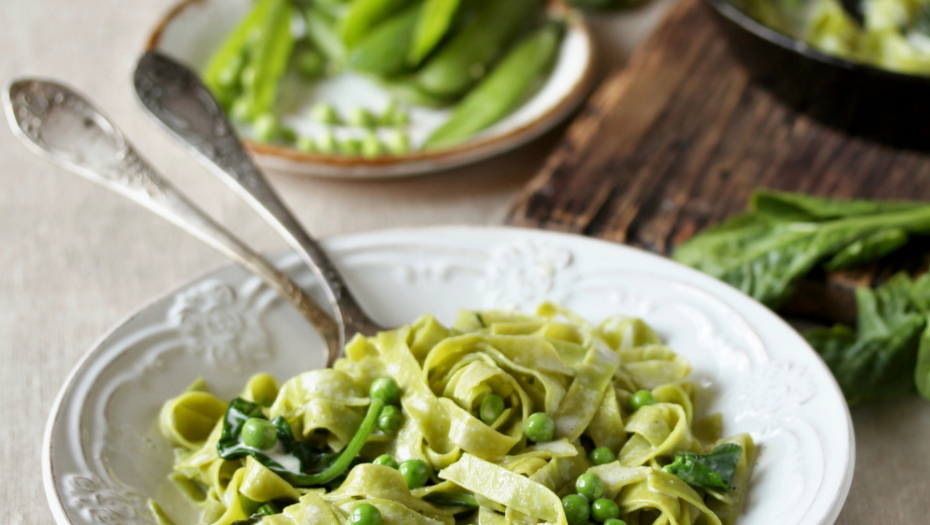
[678, 140]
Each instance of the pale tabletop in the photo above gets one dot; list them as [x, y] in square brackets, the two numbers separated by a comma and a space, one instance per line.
[76, 259]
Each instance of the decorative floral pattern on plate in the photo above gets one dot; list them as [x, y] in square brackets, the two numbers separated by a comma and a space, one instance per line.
[100, 502]
[527, 272]
[221, 326]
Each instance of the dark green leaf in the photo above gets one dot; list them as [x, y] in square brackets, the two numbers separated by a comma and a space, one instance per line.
[868, 249]
[714, 470]
[763, 253]
[801, 207]
[230, 446]
[831, 343]
[879, 360]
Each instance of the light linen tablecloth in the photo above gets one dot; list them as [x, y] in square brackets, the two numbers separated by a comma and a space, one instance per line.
[75, 259]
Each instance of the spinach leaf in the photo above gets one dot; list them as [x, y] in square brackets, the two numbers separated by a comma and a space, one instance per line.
[765, 251]
[798, 206]
[871, 248]
[714, 470]
[879, 360]
[317, 466]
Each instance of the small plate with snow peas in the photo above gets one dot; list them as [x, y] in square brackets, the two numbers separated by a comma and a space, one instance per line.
[384, 88]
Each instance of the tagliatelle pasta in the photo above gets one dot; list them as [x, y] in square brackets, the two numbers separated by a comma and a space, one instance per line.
[490, 421]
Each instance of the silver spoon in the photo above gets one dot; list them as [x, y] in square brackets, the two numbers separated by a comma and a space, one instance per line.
[177, 98]
[60, 124]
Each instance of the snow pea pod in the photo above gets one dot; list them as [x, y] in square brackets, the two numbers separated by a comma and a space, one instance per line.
[459, 64]
[504, 88]
[231, 53]
[270, 57]
[364, 15]
[384, 50]
[434, 22]
[321, 30]
[407, 89]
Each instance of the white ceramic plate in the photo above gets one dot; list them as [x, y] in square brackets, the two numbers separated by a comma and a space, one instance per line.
[103, 456]
[194, 29]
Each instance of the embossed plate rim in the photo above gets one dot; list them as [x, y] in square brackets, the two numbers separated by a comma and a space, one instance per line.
[622, 263]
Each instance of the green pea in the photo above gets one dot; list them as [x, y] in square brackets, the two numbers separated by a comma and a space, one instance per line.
[577, 510]
[602, 456]
[591, 486]
[362, 118]
[605, 509]
[390, 419]
[371, 146]
[310, 64]
[247, 77]
[385, 389]
[266, 127]
[614, 521]
[325, 113]
[397, 142]
[365, 514]
[386, 460]
[540, 427]
[242, 110]
[492, 406]
[231, 73]
[287, 135]
[327, 144]
[394, 115]
[306, 144]
[351, 147]
[640, 399]
[259, 433]
[415, 471]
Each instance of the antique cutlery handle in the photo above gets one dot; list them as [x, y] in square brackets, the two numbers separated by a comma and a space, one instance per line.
[175, 96]
[62, 125]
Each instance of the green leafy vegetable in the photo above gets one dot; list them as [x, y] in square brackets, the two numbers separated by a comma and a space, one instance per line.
[317, 467]
[871, 248]
[879, 360]
[785, 236]
[714, 470]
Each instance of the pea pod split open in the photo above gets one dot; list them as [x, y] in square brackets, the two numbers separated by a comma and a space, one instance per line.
[503, 90]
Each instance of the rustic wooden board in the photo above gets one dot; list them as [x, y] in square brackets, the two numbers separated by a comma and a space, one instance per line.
[678, 139]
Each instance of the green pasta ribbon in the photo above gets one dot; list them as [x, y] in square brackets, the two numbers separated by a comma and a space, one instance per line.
[444, 459]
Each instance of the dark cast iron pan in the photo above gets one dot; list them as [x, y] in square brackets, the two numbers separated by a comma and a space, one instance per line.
[864, 101]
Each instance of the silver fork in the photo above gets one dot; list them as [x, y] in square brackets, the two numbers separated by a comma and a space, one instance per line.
[177, 98]
[60, 124]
